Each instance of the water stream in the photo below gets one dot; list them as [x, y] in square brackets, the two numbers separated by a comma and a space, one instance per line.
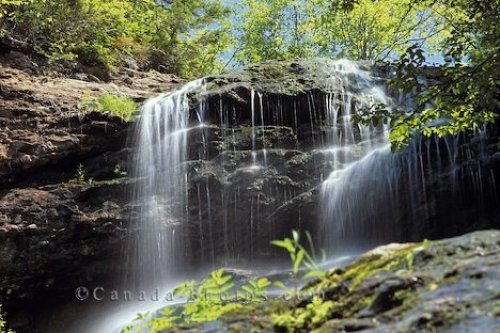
[160, 192]
[194, 208]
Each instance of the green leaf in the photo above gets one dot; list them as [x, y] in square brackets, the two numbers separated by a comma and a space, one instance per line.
[298, 261]
[263, 282]
[280, 285]
[286, 244]
[317, 274]
[248, 289]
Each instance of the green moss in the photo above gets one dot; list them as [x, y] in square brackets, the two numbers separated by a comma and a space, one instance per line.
[496, 309]
[408, 299]
[354, 300]
[374, 263]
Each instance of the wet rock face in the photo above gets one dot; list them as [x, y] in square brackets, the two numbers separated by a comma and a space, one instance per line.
[255, 167]
[237, 207]
[234, 207]
[449, 286]
[58, 229]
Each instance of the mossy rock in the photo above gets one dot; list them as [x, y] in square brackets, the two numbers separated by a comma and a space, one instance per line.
[452, 285]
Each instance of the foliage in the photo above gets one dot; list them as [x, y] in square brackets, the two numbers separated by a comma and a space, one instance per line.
[215, 295]
[87, 102]
[81, 177]
[365, 29]
[378, 30]
[166, 319]
[300, 257]
[308, 317]
[123, 107]
[136, 328]
[184, 37]
[275, 30]
[3, 323]
[80, 174]
[119, 171]
[464, 93]
[255, 289]
[206, 301]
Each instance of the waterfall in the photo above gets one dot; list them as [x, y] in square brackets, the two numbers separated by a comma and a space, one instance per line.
[224, 165]
[220, 160]
[361, 183]
[160, 192]
[168, 233]
[376, 196]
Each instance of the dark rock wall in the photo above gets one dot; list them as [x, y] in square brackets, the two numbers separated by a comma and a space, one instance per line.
[56, 232]
[446, 187]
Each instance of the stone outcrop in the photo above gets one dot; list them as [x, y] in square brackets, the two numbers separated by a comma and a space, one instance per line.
[59, 228]
[451, 285]
[236, 210]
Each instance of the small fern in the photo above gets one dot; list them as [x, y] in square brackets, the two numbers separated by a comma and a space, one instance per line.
[255, 289]
[300, 257]
[206, 300]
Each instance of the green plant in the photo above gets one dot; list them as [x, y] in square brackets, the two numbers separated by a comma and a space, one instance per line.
[256, 289]
[88, 102]
[308, 317]
[124, 107]
[138, 327]
[206, 300]
[166, 319]
[210, 299]
[81, 177]
[300, 257]
[80, 174]
[354, 29]
[3, 323]
[189, 35]
[119, 171]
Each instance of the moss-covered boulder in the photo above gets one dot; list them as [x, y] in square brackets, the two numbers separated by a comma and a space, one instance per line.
[452, 285]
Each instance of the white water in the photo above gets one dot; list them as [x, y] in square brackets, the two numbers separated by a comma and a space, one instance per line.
[361, 158]
[156, 251]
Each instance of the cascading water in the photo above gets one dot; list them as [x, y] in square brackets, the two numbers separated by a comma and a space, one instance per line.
[215, 184]
[224, 165]
[161, 189]
[362, 163]
[375, 196]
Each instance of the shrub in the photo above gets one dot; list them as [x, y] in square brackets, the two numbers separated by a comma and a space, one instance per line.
[123, 107]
